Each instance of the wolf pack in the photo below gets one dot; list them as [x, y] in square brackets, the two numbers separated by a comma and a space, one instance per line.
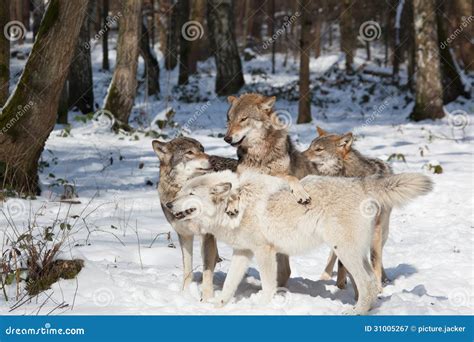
[275, 201]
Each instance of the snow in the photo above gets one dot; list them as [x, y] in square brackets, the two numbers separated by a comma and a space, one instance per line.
[131, 267]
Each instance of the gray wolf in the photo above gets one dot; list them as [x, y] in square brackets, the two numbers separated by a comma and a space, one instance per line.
[270, 221]
[333, 155]
[180, 160]
[264, 146]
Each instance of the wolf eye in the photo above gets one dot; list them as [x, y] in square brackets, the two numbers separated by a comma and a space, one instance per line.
[190, 152]
[243, 119]
[318, 149]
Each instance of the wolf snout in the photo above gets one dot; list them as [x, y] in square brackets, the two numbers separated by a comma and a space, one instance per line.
[228, 139]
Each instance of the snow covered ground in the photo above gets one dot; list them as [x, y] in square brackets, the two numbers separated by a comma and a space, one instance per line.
[133, 267]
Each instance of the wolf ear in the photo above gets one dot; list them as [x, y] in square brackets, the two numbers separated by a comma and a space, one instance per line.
[231, 99]
[221, 189]
[321, 131]
[345, 142]
[268, 103]
[159, 147]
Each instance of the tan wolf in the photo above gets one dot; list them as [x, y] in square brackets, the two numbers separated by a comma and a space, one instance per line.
[264, 146]
[270, 221]
[333, 155]
[180, 160]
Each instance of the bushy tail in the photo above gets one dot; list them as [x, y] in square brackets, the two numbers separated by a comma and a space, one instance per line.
[398, 190]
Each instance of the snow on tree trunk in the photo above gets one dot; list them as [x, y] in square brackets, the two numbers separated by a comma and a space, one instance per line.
[304, 104]
[347, 36]
[4, 53]
[81, 92]
[122, 90]
[229, 79]
[151, 63]
[428, 89]
[29, 115]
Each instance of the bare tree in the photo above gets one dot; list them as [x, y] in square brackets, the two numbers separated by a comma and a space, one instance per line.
[184, 41]
[199, 48]
[122, 90]
[229, 77]
[4, 52]
[105, 36]
[151, 63]
[172, 37]
[38, 12]
[80, 89]
[428, 89]
[304, 104]
[29, 115]
[347, 35]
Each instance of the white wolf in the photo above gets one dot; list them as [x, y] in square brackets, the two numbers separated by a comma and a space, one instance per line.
[342, 215]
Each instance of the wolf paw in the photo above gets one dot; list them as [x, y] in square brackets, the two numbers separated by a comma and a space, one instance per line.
[325, 276]
[219, 302]
[232, 208]
[301, 195]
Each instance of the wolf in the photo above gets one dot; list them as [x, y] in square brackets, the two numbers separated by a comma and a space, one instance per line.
[180, 160]
[264, 146]
[270, 221]
[333, 155]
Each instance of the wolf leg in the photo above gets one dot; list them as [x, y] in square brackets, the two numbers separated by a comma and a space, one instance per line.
[327, 274]
[376, 251]
[209, 260]
[341, 275]
[238, 266]
[186, 244]
[267, 264]
[283, 269]
[385, 231]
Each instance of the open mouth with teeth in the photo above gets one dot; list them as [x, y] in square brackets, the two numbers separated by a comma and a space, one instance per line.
[238, 142]
[182, 214]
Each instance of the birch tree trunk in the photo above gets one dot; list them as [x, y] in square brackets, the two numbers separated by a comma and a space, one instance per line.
[428, 89]
[122, 90]
[29, 115]
[229, 77]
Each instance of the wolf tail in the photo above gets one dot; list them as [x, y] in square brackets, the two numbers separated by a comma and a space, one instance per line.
[397, 190]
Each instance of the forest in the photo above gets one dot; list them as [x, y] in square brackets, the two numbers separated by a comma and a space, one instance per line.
[87, 85]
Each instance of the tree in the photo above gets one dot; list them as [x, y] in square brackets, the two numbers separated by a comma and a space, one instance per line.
[29, 115]
[105, 36]
[229, 77]
[172, 38]
[199, 48]
[184, 41]
[38, 12]
[151, 63]
[347, 36]
[80, 90]
[4, 52]
[428, 89]
[122, 90]
[304, 103]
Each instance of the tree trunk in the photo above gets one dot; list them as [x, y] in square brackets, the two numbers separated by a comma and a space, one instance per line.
[4, 53]
[151, 63]
[429, 93]
[460, 15]
[317, 35]
[29, 115]
[304, 104]
[229, 78]
[105, 36]
[123, 87]
[184, 41]
[172, 39]
[347, 36]
[199, 47]
[38, 12]
[271, 25]
[63, 105]
[80, 90]
[398, 46]
[450, 78]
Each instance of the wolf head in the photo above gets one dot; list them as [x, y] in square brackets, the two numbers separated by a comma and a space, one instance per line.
[203, 199]
[249, 118]
[328, 151]
[182, 157]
